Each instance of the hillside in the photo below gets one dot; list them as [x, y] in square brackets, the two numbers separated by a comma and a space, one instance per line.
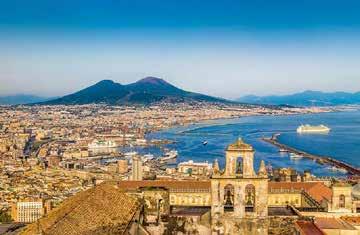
[144, 91]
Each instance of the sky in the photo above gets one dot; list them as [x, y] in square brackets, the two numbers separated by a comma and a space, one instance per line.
[227, 48]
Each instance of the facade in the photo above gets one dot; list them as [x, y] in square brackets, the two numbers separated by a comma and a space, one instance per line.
[239, 194]
[27, 211]
[137, 168]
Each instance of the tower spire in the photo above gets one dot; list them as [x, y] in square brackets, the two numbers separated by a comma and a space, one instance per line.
[262, 170]
[216, 168]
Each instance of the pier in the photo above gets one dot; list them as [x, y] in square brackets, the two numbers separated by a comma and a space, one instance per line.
[319, 159]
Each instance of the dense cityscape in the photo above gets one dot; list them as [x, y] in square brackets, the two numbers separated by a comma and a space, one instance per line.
[50, 154]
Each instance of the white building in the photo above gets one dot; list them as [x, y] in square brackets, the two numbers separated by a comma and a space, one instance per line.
[195, 168]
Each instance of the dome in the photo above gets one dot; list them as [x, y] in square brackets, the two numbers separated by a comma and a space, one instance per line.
[356, 191]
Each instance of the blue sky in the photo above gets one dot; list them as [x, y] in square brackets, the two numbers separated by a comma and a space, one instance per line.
[224, 48]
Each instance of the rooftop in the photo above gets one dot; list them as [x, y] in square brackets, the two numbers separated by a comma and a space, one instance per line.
[101, 210]
[317, 190]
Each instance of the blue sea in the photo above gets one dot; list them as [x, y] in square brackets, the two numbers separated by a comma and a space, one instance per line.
[343, 142]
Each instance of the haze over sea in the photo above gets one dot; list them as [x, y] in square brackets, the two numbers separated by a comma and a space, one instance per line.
[341, 143]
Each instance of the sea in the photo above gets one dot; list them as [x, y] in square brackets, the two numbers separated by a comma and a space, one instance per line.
[342, 143]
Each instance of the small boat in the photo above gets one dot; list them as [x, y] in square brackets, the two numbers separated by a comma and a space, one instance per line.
[281, 150]
[148, 157]
[295, 156]
[130, 154]
[205, 143]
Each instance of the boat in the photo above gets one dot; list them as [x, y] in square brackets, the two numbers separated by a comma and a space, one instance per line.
[312, 129]
[281, 150]
[295, 156]
[169, 156]
[148, 157]
[130, 154]
[337, 169]
[100, 144]
[205, 143]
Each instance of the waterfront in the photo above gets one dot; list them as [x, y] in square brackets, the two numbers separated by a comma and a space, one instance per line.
[341, 143]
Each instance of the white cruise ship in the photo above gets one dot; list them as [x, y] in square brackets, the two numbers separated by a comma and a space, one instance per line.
[313, 129]
[100, 144]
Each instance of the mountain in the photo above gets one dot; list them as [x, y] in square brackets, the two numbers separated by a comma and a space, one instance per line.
[145, 91]
[306, 98]
[21, 99]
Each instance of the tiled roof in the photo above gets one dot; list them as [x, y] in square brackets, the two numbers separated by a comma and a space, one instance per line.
[101, 210]
[353, 220]
[317, 190]
[308, 228]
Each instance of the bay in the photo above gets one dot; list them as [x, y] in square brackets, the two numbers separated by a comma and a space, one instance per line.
[342, 143]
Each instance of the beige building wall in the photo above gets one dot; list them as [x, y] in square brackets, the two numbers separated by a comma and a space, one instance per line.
[190, 199]
[284, 199]
[341, 195]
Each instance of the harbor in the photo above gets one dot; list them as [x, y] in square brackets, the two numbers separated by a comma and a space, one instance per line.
[319, 159]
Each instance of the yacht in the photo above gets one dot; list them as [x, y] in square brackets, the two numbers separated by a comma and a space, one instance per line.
[169, 155]
[295, 156]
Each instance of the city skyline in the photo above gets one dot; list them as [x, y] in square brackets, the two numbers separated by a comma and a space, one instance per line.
[227, 50]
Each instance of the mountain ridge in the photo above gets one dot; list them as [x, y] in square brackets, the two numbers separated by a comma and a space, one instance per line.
[306, 98]
[144, 91]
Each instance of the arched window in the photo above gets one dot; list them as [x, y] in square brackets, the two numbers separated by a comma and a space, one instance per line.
[249, 198]
[342, 201]
[228, 198]
[239, 166]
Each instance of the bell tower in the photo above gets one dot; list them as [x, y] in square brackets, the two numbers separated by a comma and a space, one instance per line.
[238, 192]
[239, 160]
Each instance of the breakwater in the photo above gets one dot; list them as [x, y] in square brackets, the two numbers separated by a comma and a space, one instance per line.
[319, 159]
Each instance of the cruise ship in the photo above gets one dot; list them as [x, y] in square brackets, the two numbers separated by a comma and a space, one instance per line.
[101, 144]
[313, 129]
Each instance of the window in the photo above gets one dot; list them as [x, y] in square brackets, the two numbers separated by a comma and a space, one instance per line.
[342, 201]
[249, 198]
[229, 198]
[239, 166]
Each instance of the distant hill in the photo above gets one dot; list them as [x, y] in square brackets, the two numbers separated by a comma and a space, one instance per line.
[144, 91]
[21, 99]
[306, 98]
